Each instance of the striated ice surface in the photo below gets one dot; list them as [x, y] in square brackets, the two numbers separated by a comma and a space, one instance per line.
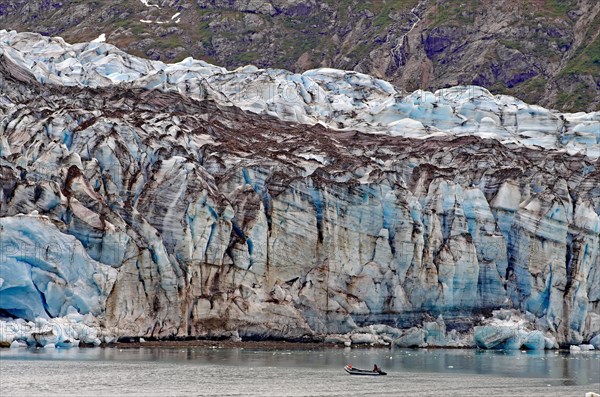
[338, 99]
[44, 272]
[133, 191]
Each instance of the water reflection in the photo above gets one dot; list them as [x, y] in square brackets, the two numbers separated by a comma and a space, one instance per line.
[564, 368]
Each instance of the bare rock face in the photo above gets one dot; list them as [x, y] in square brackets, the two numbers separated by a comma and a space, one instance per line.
[196, 218]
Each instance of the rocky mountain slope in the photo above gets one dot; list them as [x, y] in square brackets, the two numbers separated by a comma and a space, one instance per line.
[144, 197]
[542, 51]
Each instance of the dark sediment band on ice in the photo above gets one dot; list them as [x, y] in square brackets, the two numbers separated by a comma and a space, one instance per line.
[149, 213]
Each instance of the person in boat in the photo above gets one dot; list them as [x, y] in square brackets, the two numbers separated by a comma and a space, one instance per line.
[376, 368]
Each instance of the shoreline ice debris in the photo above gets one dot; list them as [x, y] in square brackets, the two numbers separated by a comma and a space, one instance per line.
[338, 99]
[61, 332]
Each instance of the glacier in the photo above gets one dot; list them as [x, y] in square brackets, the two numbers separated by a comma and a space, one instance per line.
[335, 98]
[185, 200]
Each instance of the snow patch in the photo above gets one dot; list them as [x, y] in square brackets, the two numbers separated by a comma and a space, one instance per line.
[147, 4]
[100, 39]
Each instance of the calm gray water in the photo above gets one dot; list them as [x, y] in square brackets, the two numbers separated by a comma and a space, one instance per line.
[248, 372]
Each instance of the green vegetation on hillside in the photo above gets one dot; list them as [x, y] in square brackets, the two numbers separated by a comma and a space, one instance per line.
[454, 13]
[587, 57]
[528, 48]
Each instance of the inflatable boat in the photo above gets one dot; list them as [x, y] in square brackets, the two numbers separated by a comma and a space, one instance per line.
[355, 371]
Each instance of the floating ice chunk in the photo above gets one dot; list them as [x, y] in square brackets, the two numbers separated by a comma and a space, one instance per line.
[109, 339]
[497, 337]
[550, 343]
[414, 337]
[44, 338]
[535, 341]
[68, 343]
[358, 339]
[16, 344]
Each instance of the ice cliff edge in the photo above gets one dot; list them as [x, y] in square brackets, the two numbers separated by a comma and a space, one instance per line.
[167, 200]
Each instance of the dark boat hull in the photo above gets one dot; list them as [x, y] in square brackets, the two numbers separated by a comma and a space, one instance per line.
[363, 372]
